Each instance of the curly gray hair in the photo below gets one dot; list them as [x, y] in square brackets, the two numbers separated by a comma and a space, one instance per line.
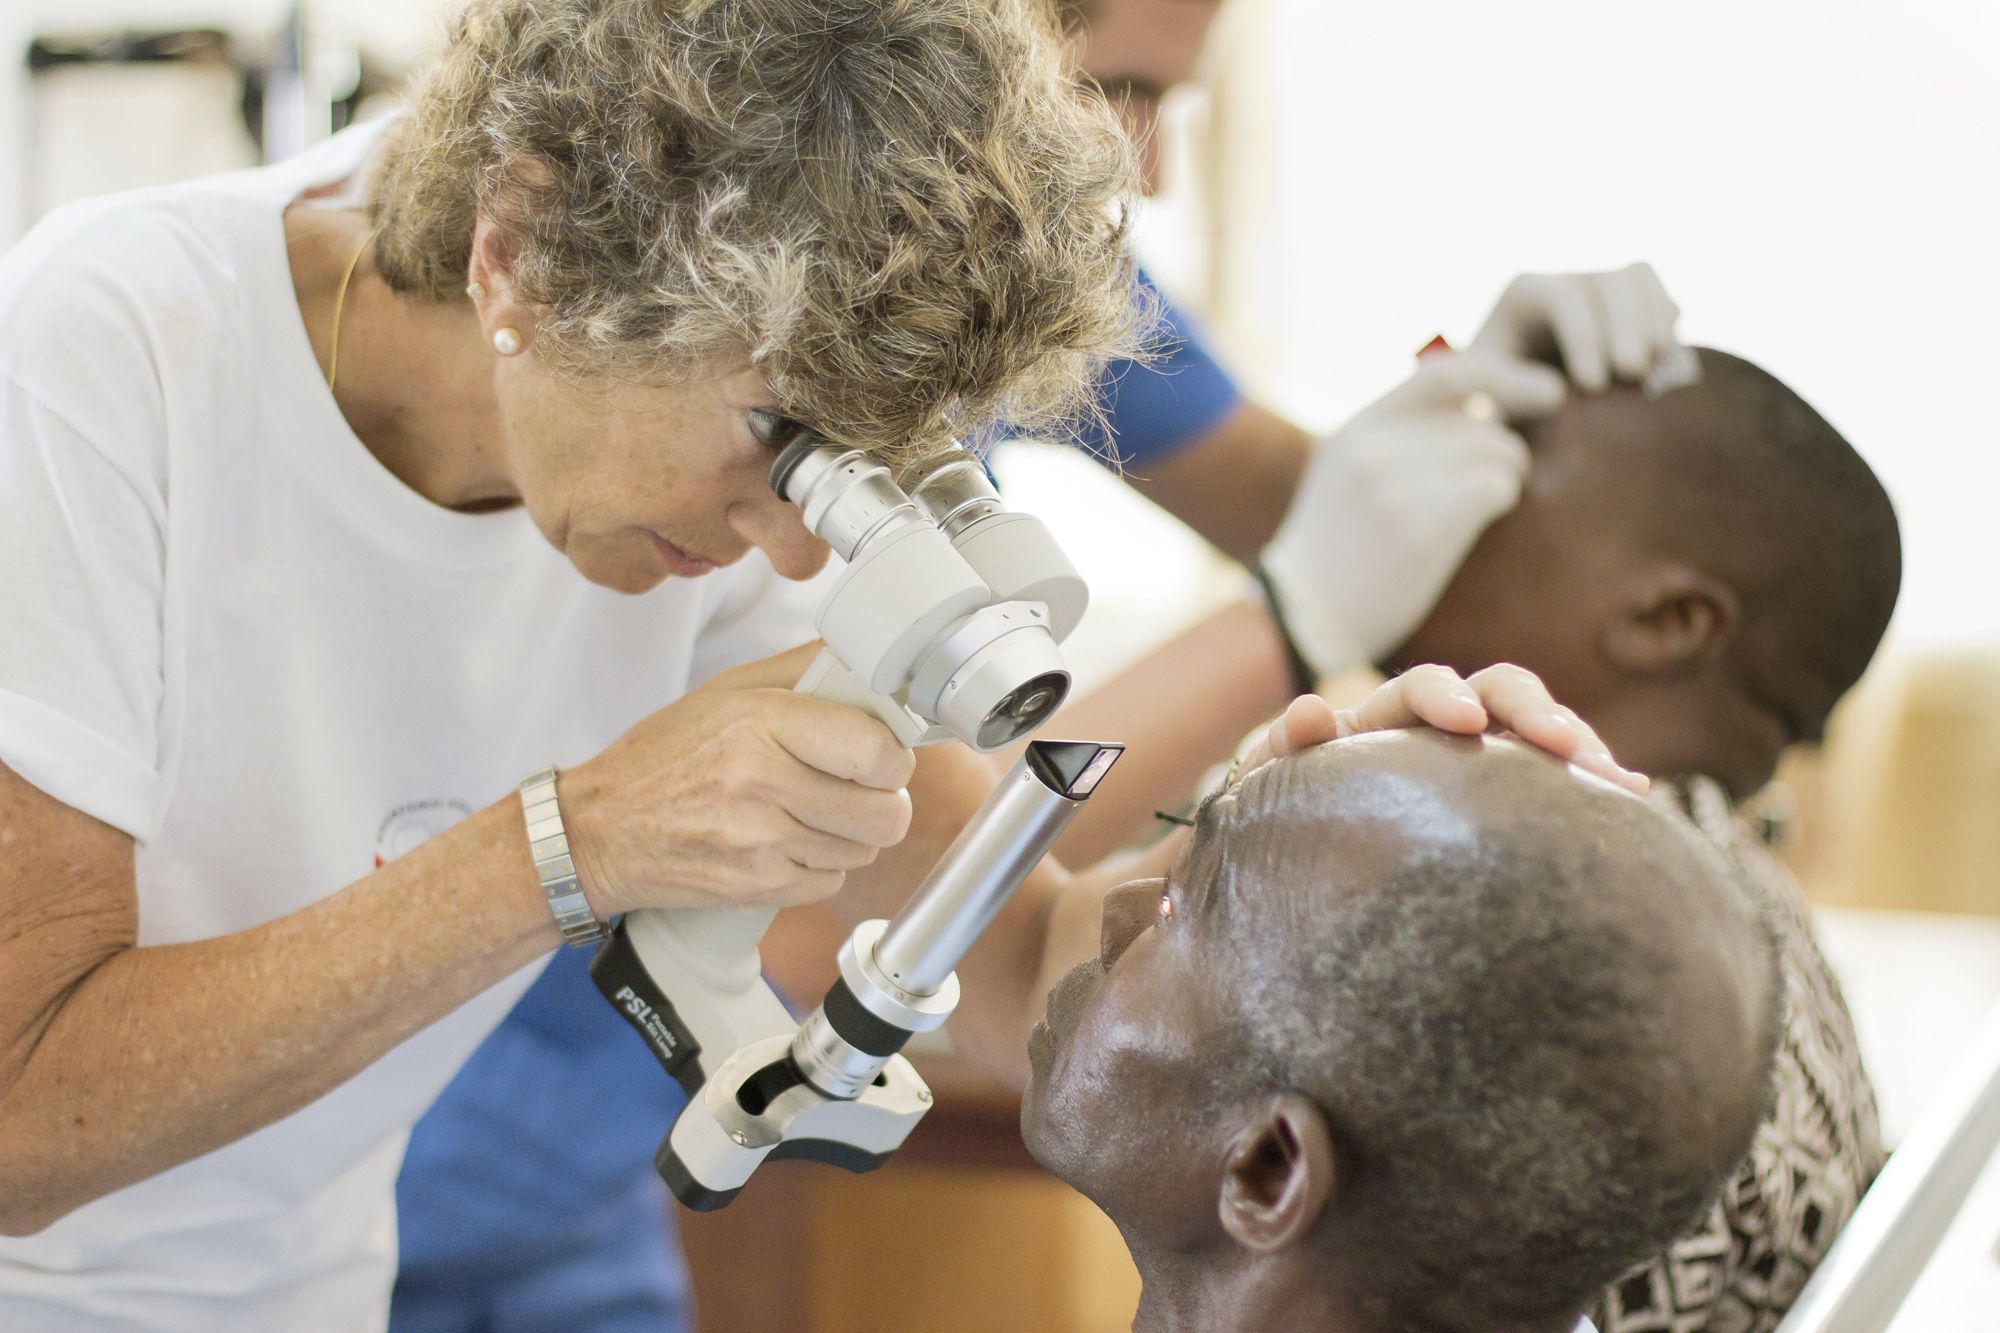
[901, 212]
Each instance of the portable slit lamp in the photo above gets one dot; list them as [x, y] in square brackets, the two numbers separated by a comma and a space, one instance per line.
[945, 625]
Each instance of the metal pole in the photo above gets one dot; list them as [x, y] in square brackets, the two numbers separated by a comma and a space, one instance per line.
[1869, 1272]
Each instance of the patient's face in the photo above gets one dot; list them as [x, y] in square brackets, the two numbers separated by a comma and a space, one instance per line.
[1135, 1062]
[1542, 583]
[1122, 1055]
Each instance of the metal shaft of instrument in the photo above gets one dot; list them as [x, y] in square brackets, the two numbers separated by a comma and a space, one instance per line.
[1015, 828]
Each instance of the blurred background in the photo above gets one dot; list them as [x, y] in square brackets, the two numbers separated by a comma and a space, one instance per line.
[1817, 182]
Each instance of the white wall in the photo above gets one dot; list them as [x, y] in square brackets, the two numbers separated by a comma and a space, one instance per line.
[130, 127]
[1818, 181]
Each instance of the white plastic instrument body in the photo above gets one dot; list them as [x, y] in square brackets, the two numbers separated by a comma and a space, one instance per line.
[944, 625]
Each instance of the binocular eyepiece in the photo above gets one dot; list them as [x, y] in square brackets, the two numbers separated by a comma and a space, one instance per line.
[951, 605]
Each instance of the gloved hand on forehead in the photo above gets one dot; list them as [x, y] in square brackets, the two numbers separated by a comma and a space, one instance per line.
[1391, 503]
[1597, 326]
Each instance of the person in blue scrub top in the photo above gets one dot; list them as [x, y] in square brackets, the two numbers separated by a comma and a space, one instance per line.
[528, 1200]
[1154, 411]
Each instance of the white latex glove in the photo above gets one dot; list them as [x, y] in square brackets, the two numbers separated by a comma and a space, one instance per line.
[1391, 503]
[1599, 325]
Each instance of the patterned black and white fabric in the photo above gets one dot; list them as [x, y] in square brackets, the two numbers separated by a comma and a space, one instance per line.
[1741, 1268]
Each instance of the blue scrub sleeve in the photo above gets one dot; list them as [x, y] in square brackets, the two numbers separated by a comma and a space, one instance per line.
[1158, 407]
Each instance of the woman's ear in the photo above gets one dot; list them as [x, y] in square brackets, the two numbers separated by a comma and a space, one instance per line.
[1669, 616]
[503, 320]
[489, 278]
[491, 268]
[1279, 1174]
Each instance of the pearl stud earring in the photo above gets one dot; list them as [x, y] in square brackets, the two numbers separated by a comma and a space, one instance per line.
[475, 291]
[506, 341]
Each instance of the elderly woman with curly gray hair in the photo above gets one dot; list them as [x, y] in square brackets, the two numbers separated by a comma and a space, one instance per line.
[318, 487]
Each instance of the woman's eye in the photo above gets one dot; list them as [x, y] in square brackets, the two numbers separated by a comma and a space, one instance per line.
[773, 428]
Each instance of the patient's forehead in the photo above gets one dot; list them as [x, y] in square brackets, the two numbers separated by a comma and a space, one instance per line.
[1303, 840]
[1412, 772]
[1343, 814]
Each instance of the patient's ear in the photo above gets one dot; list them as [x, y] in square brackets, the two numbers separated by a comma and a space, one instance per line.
[1668, 616]
[1279, 1174]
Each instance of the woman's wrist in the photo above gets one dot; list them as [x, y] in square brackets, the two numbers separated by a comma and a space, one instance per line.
[555, 867]
[514, 913]
[582, 804]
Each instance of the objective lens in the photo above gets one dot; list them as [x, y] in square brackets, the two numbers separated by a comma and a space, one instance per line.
[1025, 708]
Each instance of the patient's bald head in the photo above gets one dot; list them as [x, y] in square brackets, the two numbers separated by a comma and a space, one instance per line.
[1434, 1032]
[1700, 575]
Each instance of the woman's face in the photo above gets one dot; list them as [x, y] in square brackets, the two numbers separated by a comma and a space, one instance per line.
[635, 483]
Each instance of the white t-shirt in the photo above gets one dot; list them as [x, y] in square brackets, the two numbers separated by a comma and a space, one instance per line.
[227, 630]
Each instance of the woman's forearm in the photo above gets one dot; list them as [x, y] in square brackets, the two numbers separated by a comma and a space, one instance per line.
[1234, 484]
[158, 1055]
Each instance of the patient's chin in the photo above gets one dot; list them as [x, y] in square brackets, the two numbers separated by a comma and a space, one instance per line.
[1041, 1123]
[1034, 1117]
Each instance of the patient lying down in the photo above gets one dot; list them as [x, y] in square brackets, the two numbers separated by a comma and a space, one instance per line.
[1420, 1033]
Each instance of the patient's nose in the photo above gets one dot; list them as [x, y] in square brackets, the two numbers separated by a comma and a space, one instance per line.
[1128, 910]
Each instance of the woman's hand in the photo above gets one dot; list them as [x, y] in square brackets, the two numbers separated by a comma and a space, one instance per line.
[1504, 698]
[740, 794]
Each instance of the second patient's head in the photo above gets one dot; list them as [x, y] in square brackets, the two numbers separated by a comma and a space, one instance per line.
[1700, 575]
[1420, 1033]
